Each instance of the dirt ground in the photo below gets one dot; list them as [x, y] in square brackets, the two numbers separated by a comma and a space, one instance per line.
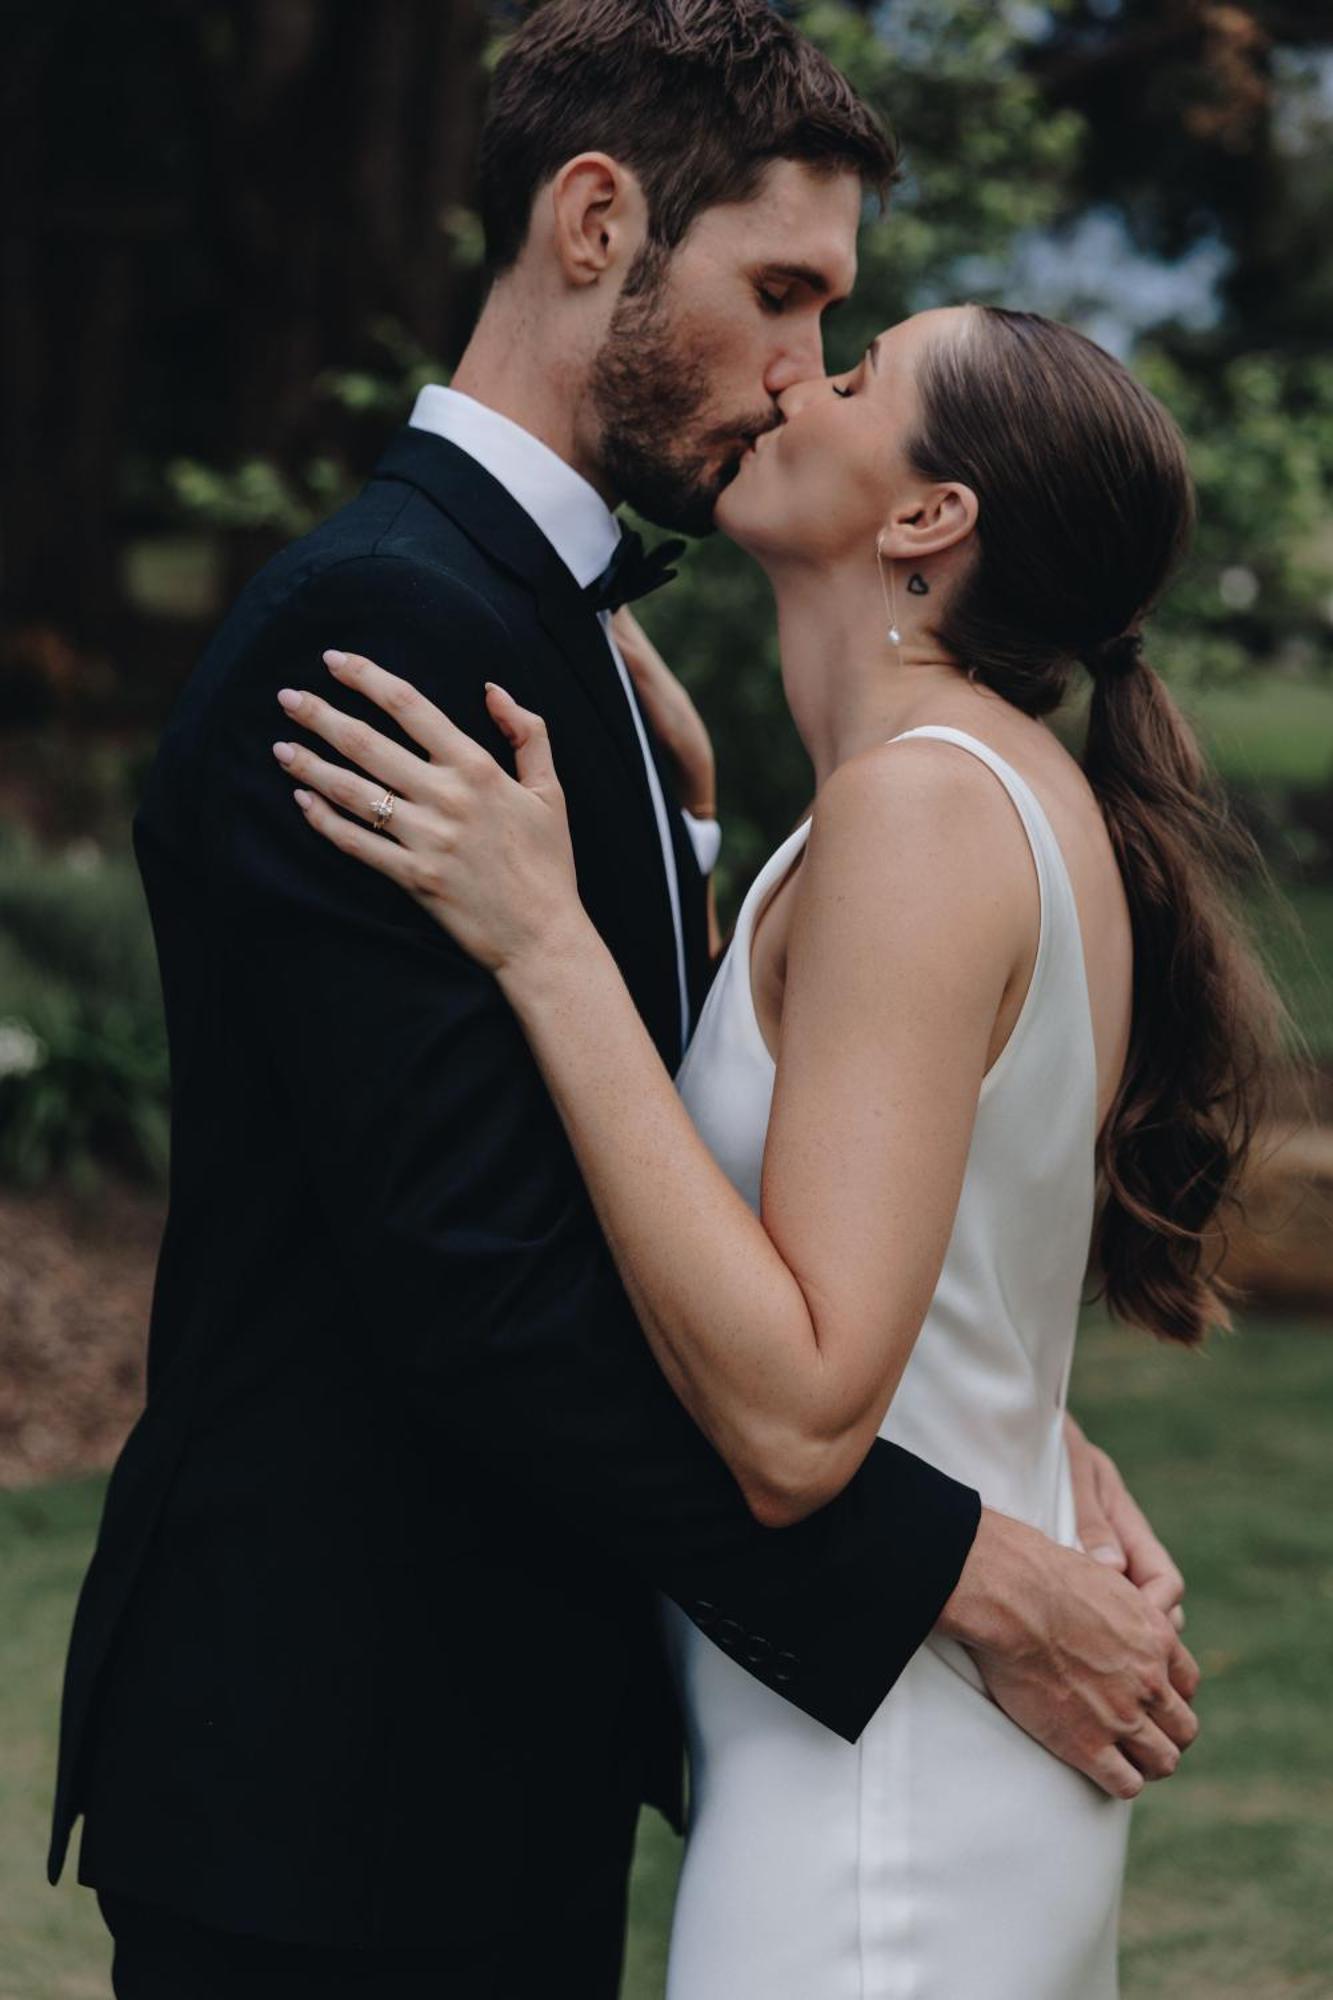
[76, 1279]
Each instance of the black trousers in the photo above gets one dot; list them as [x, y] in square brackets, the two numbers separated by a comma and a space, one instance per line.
[573, 1950]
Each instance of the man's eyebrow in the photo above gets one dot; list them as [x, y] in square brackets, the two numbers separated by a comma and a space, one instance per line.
[803, 274]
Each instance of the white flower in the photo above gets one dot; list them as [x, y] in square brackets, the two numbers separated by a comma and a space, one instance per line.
[21, 1051]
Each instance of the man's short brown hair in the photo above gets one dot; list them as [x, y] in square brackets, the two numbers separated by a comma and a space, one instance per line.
[696, 97]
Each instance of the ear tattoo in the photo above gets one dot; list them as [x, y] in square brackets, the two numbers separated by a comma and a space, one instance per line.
[917, 585]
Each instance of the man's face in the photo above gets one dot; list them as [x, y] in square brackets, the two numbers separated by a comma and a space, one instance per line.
[703, 342]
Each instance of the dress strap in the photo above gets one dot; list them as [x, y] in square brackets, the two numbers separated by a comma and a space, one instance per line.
[1060, 958]
[1052, 874]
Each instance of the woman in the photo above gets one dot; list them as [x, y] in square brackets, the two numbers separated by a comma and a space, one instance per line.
[983, 1013]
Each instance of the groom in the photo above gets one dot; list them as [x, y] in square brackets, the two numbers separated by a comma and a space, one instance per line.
[365, 1687]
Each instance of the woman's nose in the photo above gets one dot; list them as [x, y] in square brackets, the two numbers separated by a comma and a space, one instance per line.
[799, 395]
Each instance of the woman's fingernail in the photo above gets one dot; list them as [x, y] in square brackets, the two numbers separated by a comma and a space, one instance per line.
[1108, 1554]
[335, 659]
[290, 698]
[284, 752]
[493, 687]
[303, 799]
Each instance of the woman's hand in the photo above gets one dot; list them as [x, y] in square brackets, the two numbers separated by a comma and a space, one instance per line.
[671, 714]
[487, 857]
[1114, 1529]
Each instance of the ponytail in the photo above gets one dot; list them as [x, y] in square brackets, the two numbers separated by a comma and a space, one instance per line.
[1206, 1025]
[1086, 506]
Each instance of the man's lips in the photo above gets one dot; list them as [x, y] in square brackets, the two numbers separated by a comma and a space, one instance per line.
[756, 438]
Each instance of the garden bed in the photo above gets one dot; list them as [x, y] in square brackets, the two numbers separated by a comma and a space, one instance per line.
[76, 1280]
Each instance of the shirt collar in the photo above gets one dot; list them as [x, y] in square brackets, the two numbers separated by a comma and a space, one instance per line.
[572, 515]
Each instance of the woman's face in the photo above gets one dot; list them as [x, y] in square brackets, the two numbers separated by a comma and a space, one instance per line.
[827, 480]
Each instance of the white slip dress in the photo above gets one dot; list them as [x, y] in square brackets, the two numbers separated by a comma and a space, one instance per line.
[946, 1855]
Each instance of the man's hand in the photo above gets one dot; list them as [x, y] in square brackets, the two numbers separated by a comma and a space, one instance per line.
[1114, 1529]
[1076, 1655]
[674, 718]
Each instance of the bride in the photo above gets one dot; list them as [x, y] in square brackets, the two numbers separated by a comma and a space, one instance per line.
[983, 1017]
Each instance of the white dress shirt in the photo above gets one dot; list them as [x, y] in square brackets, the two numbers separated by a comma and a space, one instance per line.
[583, 531]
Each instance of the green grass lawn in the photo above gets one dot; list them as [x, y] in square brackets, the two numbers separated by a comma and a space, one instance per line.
[1267, 730]
[1231, 1875]
[1300, 957]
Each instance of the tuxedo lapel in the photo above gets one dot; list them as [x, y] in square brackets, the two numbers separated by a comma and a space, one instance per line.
[509, 539]
[692, 884]
[490, 516]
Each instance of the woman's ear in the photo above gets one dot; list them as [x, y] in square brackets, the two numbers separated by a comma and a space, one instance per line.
[929, 521]
[598, 216]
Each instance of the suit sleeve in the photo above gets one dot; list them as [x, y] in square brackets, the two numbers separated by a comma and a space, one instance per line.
[466, 1239]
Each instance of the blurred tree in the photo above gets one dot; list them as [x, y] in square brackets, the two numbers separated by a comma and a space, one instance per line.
[236, 235]
[203, 204]
[1211, 124]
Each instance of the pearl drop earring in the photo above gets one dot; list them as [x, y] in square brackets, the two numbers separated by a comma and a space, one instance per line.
[890, 595]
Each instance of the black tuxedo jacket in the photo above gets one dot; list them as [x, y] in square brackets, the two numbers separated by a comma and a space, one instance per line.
[372, 1606]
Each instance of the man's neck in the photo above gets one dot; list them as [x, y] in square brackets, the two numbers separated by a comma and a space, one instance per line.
[507, 367]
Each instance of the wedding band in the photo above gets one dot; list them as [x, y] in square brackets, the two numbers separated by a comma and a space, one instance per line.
[383, 813]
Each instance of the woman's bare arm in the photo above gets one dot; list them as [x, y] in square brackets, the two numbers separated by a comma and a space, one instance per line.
[784, 1335]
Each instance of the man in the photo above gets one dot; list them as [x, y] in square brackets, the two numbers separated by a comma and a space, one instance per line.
[365, 1686]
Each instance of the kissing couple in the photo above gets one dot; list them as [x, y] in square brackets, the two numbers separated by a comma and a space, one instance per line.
[573, 1344]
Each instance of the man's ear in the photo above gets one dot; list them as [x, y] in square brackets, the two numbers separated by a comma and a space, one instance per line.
[598, 216]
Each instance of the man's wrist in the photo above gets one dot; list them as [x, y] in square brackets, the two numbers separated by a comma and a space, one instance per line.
[993, 1604]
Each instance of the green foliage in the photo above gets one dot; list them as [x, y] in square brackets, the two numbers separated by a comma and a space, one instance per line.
[984, 156]
[1260, 582]
[390, 391]
[257, 494]
[96, 1096]
[83, 1056]
[260, 494]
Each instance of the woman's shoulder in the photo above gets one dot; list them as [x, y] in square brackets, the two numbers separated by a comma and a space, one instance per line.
[911, 796]
[914, 845]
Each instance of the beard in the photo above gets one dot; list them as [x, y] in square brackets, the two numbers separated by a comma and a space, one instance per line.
[651, 393]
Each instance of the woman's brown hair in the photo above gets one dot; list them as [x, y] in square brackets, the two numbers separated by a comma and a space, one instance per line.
[1086, 506]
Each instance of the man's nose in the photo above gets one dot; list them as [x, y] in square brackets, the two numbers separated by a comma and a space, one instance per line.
[800, 356]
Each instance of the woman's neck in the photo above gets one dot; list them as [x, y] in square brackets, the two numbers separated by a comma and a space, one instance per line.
[848, 687]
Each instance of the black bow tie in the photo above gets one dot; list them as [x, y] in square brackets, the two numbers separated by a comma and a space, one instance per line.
[633, 571]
